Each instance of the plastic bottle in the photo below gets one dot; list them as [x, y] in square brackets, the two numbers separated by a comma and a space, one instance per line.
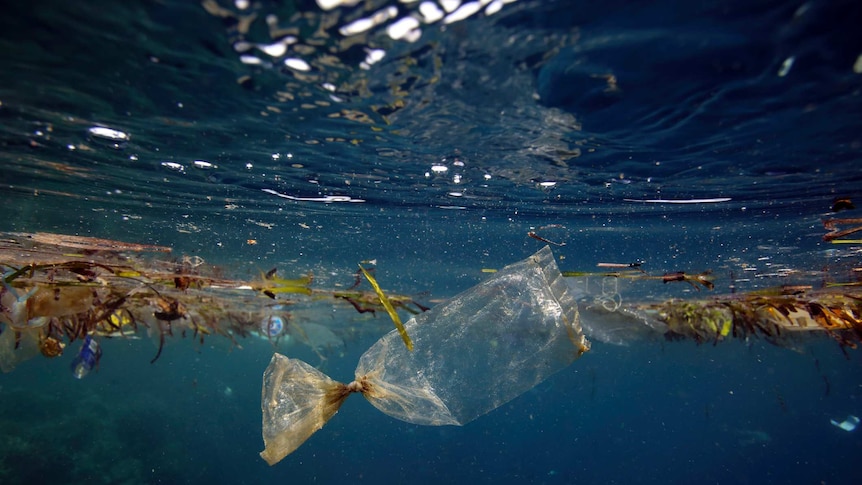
[87, 358]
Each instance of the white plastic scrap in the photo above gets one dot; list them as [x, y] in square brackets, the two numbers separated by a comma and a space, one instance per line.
[297, 64]
[108, 134]
[463, 12]
[848, 424]
[330, 4]
[402, 27]
[785, 66]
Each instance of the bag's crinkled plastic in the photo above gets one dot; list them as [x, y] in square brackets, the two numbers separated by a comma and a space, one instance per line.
[479, 350]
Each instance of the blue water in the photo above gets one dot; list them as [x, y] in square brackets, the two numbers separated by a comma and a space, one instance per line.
[451, 149]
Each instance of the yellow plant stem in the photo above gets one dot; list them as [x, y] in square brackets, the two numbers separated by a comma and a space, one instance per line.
[389, 309]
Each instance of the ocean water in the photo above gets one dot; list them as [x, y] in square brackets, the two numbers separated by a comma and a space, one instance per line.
[690, 136]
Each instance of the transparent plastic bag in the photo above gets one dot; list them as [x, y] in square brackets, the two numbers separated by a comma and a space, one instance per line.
[474, 353]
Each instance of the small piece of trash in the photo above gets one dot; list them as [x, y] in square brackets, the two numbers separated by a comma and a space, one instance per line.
[848, 424]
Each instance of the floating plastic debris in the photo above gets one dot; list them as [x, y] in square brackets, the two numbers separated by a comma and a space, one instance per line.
[786, 66]
[848, 424]
[450, 5]
[250, 60]
[176, 167]
[87, 359]
[680, 201]
[330, 4]
[58, 288]
[401, 28]
[463, 12]
[297, 64]
[109, 137]
[364, 24]
[325, 199]
[277, 49]
[430, 12]
[474, 353]
[108, 134]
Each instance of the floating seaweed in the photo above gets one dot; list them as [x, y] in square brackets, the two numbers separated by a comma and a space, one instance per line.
[51, 296]
[384, 300]
[834, 233]
[697, 281]
[779, 318]
[56, 290]
[781, 315]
